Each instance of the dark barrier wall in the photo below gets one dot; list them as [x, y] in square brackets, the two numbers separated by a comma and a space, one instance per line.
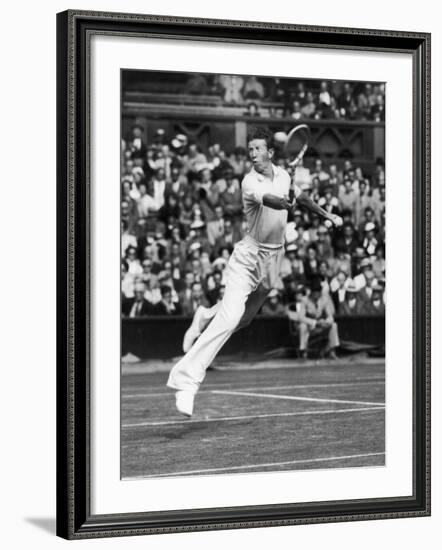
[162, 337]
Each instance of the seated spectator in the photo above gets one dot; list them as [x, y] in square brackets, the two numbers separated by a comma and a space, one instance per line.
[364, 202]
[229, 237]
[133, 261]
[370, 242]
[360, 280]
[127, 239]
[197, 299]
[147, 276]
[352, 305]
[338, 288]
[238, 161]
[348, 243]
[366, 292]
[302, 174]
[273, 306]
[329, 202]
[127, 280]
[136, 140]
[215, 227]
[320, 173]
[231, 198]
[296, 112]
[375, 305]
[314, 316]
[214, 283]
[323, 244]
[309, 108]
[341, 262]
[138, 306]
[166, 306]
[185, 290]
[311, 263]
[348, 198]
[177, 183]
[379, 261]
[291, 265]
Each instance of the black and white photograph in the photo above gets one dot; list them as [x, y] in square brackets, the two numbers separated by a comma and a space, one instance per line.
[253, 274]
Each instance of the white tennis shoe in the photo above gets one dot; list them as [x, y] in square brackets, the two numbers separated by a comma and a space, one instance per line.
[184, 402]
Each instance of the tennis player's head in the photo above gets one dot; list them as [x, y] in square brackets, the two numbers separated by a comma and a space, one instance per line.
[261, 147]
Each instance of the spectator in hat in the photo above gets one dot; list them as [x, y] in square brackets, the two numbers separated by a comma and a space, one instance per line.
[138, 306]
[273, 306]
[166, 306]
[352, 305]
[370, 242]
[315, 316]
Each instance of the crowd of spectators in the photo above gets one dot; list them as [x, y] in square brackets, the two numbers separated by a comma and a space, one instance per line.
[299, 99]
[181, 215]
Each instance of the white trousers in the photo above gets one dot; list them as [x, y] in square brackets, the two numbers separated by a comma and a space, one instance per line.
[252, 272]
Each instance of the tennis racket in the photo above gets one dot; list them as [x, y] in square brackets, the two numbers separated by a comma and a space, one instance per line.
[297, 143]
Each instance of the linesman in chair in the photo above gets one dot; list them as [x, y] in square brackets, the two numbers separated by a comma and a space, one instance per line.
[313, 316]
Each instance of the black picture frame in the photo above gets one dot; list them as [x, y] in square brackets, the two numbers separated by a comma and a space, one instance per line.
[74, 518]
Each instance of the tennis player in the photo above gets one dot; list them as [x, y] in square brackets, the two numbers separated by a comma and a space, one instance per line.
[252, 269]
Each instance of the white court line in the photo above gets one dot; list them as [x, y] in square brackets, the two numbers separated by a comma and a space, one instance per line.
[295, 398]
[248, 417]
[290, 386]
[270, 464]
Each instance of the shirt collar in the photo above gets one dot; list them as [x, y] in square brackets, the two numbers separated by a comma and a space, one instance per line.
[260, 177]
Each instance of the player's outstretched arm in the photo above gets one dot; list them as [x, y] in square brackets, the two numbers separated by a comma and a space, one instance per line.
[305, 201]
[277, 203]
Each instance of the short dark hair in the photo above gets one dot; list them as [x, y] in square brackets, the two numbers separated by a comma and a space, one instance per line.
[165, 289]
[260, 132]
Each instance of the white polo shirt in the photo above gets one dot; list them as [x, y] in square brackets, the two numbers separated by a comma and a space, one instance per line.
[264, 224]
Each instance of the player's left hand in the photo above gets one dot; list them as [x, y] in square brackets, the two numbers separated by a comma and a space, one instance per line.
[336, 220]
